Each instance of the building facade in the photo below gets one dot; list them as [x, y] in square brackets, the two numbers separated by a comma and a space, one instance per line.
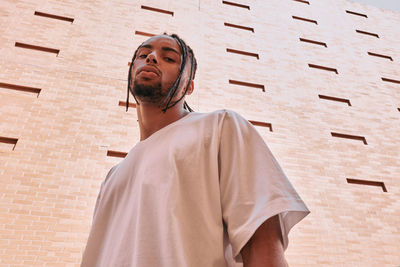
[320, 80]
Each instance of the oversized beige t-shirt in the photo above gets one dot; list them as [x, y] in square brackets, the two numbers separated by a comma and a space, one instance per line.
[192, 194]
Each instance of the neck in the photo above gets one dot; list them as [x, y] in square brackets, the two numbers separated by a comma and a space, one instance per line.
[151, 118]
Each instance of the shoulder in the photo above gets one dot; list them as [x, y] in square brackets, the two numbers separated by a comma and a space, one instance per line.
[221, 114]
[110, 174]
[229, 123]
[225, 112]
[233, 118]
[221, 118]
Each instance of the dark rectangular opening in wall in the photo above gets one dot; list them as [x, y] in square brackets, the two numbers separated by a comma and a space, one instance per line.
[239, 27]
[39, 48]
[302, 1]
[368, 33]
[331, 98]
[33, 90]
[236, 4]
[123, 104]
[380, 55]
[51, 16]
[323, 68]
[8, 143]
[348, 136]
[304, 19]
[158, 10]
[313, 42]
[145, 34]
[229, 50]
[390, 80]
[366, 182]
[357, 14]
[262, 124]
[255, 85]
[116, 154]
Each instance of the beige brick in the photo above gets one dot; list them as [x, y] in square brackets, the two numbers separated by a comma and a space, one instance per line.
[49, 182]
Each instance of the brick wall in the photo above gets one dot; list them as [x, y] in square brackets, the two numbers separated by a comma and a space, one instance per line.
[60, 114]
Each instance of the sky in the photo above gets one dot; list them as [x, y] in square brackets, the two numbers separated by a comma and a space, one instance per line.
[386, 4]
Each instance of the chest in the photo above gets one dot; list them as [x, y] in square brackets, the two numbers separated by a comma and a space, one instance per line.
[175, 172]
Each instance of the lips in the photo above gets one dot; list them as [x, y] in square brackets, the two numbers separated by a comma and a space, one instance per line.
[148, 68]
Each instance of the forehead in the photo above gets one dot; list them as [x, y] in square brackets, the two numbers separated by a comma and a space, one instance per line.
[162, 41]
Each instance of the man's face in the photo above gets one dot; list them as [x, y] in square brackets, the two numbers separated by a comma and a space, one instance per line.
[155, 68]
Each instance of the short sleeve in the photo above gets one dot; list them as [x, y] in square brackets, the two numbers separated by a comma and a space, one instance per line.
[101, 190]
[252, 184]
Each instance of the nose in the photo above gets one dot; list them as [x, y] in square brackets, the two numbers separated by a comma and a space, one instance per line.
[151, 58]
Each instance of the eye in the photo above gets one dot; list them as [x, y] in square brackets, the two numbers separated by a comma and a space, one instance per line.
[142, 56]
[169, 59]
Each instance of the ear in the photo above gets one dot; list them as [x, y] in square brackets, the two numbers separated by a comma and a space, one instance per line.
[191, 88]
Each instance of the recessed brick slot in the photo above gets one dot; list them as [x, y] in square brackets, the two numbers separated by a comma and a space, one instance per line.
[158, 10]
[366, 182]
[7, 143]
[390, 80]
[357, 14]
[304, 19]
[368, 33]
[236, 4]
[51, 16]
[312, 42]
[255, 85]
[33, 90]
[262, 124]
[323, 68]
[239, 26]
[39, 48]
[229, 50]
[116, 154]
[379, 55]
[123, 104]
[145, 34]
[337, 99]
[348, 136]
[302, 1]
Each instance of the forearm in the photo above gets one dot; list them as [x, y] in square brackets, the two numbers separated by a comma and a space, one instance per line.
[265, 248]
[263, 258]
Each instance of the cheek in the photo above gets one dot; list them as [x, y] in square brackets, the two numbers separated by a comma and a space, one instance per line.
[135, 66]
[172, 76]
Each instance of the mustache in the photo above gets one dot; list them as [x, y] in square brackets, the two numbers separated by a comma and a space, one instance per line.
[150, 68]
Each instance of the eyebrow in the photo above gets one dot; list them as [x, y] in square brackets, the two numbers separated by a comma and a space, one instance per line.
[164, 48]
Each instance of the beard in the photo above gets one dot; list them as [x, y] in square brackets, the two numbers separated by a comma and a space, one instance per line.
[148, 93]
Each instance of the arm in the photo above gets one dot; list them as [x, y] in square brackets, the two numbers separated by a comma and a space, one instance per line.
[265, 247]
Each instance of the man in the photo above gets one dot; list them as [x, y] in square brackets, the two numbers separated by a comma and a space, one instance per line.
[199, 189]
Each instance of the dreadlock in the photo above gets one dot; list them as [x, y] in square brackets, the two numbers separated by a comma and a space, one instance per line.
[167, 101]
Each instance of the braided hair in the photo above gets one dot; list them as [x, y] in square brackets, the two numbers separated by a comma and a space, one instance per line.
[167, 101]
